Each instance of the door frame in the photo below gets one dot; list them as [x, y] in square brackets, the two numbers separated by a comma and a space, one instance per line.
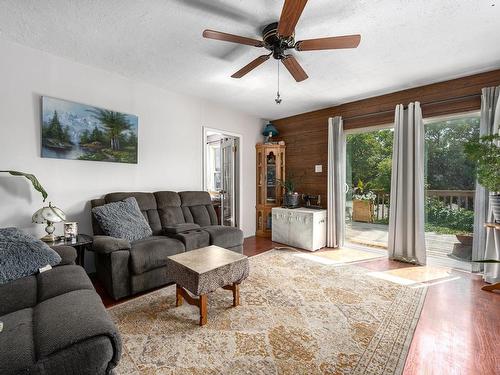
[205, 130]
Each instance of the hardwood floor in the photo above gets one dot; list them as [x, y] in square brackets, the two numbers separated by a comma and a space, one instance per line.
[459, 328]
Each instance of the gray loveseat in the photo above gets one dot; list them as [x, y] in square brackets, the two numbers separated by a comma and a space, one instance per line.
[179, 221]
[55, 323]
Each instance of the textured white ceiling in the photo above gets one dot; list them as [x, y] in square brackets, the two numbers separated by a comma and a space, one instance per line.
[405, 43]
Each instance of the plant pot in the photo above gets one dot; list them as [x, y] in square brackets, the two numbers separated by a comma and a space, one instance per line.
[362, 211]
[291, 200]
[495, 206]
[464, 239]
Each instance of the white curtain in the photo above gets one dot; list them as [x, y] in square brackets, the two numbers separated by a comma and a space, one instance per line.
[406, 220]
[336, 183]
[486, 243]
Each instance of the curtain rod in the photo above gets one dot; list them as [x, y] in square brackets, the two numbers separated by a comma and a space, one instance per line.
[405, 107]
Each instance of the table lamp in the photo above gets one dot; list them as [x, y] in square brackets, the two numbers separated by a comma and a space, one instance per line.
[270, 131]
[48, 215]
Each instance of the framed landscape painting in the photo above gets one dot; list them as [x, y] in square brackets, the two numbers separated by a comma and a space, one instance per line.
[83, 132]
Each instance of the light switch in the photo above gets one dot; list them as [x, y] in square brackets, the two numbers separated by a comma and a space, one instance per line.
[318, 168]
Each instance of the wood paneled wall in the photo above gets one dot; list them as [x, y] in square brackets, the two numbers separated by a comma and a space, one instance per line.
[306, 135]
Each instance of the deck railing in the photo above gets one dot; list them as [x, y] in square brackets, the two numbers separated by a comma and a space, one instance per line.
[454, 198]
[451, 198]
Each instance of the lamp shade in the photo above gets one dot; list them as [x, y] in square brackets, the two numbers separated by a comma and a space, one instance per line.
[270, 128]
[48, 214]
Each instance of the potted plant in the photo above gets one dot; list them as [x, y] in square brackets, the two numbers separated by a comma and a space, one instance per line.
[465, 238]
[291, 197]
[34, 181]
[363, 204]
[486, 153]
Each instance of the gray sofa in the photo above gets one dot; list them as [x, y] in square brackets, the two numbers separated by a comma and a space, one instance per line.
[179, 221]
[55, 323]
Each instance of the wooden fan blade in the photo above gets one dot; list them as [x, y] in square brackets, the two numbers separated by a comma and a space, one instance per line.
[290, 14]
[249, 67]
[335, 42]
[294, 68]
[217, 35]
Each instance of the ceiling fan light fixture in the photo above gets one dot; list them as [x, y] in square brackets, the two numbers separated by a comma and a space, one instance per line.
[279, 37]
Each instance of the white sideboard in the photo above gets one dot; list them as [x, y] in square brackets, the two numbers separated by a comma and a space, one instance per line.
[304, 228]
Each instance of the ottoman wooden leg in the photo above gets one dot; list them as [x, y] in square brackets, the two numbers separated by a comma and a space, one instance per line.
[203, 309]
[235, 288]
[178, 295]
[236, 294]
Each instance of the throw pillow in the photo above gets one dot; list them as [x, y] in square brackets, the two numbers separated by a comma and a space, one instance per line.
[123, 219]
[23, 255]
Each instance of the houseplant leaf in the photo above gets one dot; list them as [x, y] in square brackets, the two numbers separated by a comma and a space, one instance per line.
[34, 181]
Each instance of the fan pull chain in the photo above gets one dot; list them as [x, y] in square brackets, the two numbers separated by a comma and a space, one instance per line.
[278, 99]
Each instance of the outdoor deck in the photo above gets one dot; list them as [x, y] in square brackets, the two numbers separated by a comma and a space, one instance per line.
[438, 245]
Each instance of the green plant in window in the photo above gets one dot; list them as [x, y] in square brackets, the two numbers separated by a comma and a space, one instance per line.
[485, 152]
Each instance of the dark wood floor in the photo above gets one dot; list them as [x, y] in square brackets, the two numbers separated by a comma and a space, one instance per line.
[458, 331]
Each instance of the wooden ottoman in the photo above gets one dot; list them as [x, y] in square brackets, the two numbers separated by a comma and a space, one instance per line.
[204, 270]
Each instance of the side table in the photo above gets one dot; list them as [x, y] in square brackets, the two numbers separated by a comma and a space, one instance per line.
[81, 243]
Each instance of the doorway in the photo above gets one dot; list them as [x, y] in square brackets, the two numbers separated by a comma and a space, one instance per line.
[450, 185]
[221, 174]
[368, 184]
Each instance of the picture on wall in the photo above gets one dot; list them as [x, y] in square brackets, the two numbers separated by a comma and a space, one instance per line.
[83, 132]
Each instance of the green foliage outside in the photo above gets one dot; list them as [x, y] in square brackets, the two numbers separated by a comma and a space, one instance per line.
[369, 161]
[440, 218]
[447, 165]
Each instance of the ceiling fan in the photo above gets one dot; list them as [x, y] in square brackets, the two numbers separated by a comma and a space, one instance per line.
[279, 37]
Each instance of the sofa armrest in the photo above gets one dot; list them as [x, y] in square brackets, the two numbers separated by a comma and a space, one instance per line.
[67, 254]
[107, 244]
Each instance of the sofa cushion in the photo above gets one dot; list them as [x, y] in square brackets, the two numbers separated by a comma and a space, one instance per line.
[22, 255]
[17, 349]
[179, 228]
[152, 252]
[70, 318]
[123, 219]
[147, 205]
[18, 294]
[224, 236]
[169, 208]
[193, 239]
[62, 280]
[197, 208]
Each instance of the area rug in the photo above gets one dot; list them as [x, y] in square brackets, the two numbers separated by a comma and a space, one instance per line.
[418, 274]
[343, 255]
[297, 316]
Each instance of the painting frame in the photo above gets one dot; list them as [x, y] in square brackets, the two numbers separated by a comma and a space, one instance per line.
[75, 131]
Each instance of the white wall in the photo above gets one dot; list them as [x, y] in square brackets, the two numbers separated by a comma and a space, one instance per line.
[170, 138]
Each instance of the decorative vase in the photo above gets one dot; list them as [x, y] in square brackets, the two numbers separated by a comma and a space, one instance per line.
[495, 206]
[291, 199]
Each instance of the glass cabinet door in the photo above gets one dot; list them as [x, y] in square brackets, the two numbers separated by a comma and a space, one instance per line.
[271, 178]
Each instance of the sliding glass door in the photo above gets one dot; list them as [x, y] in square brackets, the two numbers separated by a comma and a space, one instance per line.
[449, 189]
[368, 184]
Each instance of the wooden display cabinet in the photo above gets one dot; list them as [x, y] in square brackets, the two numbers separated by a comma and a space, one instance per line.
[270, 168]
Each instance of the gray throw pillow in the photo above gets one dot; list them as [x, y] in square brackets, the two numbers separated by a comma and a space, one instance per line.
[123, 219]
[22, 255]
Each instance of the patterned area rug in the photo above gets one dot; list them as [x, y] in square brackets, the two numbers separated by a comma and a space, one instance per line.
[297, 316]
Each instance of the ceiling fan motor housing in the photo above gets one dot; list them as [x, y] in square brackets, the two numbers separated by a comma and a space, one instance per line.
[274, 43]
